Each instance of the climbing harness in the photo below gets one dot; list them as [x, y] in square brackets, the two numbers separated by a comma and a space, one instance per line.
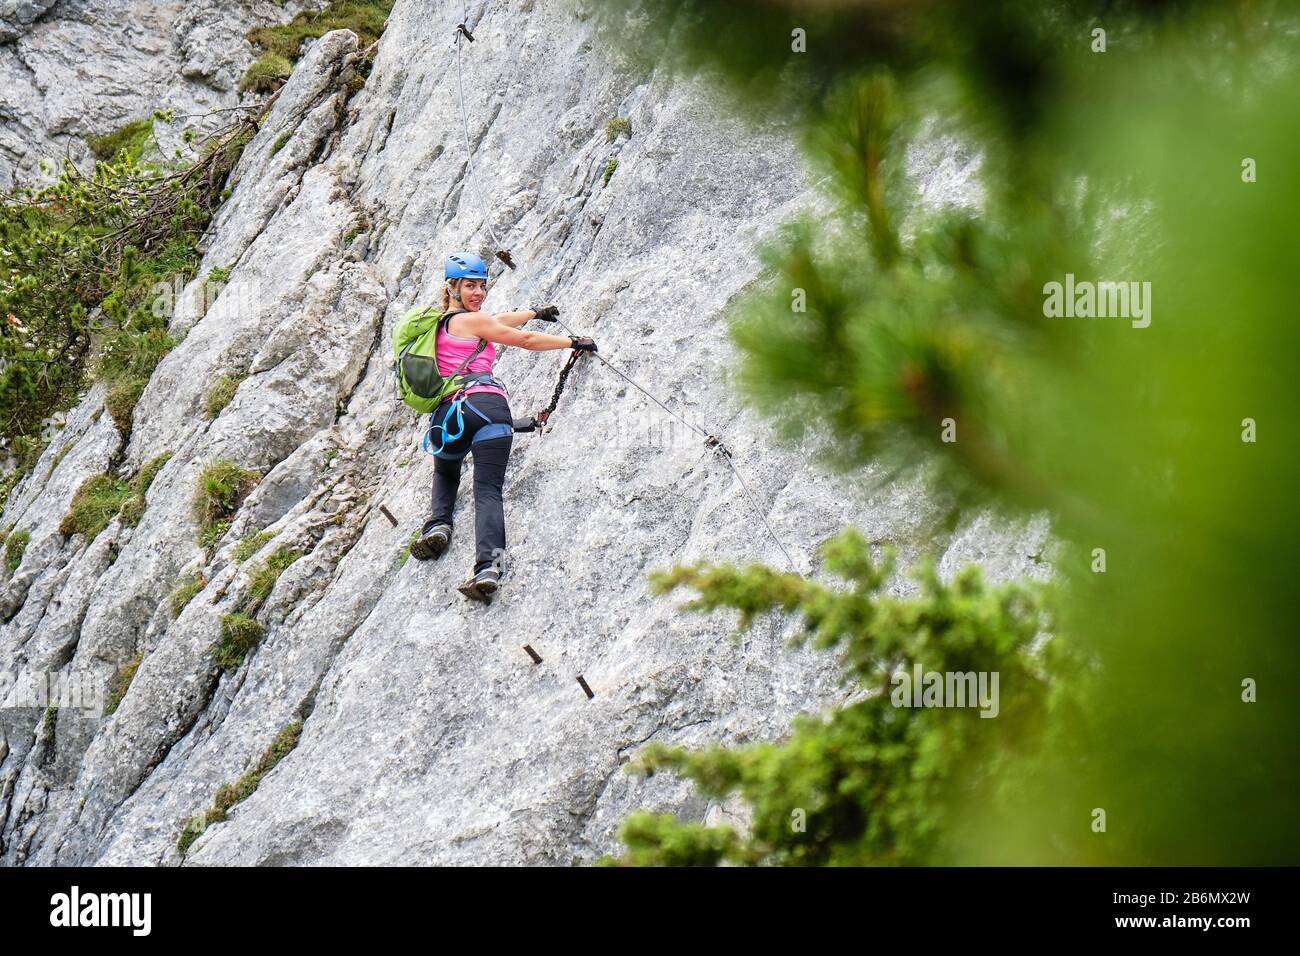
[457, 408]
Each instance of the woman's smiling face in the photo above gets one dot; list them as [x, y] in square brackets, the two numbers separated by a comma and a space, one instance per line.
[472, 293]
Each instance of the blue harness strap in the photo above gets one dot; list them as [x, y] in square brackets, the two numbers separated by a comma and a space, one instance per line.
[495, 430]
[490, 430]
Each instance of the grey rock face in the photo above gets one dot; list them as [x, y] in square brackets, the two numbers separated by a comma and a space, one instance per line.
[72, 69]
[17, 16]
[430, 736]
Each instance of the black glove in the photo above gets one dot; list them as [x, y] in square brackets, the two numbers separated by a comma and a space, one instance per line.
[525, 424]
[547, 313]
[582, 344]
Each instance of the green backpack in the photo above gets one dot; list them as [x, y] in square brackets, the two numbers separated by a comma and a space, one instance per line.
[415, 344]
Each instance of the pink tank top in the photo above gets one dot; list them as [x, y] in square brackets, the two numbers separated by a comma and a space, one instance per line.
[454, 349]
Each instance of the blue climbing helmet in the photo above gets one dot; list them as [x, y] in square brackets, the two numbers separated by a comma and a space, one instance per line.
[465, 265]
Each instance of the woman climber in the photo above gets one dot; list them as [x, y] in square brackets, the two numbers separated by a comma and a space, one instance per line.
[483, 427]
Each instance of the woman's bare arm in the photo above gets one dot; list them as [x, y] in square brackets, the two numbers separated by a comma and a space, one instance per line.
[484, 325]
[517, 318]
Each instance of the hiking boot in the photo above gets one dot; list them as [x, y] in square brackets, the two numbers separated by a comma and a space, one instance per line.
[482, 585]
[432, 543]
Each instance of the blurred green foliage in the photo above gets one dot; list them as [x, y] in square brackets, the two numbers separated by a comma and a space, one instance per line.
[1125, 165]
[871, 783]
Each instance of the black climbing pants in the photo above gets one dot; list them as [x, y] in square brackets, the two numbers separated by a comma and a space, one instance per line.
[490, 458]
